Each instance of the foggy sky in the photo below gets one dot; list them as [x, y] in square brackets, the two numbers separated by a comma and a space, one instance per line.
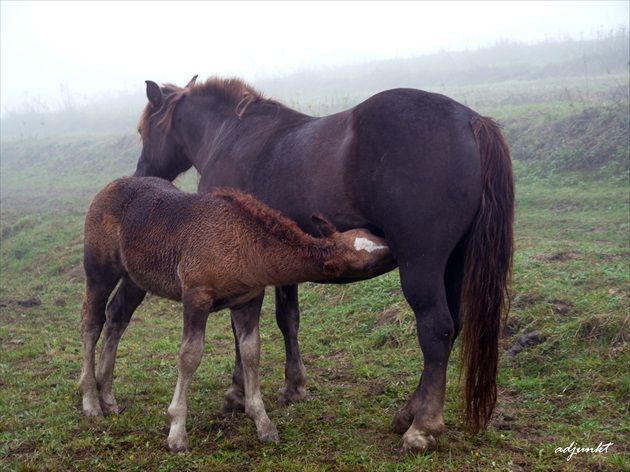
[54, 51]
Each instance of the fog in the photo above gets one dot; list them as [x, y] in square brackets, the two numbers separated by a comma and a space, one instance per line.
[55, 53]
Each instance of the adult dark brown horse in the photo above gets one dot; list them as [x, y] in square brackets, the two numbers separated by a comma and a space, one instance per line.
[431, 176]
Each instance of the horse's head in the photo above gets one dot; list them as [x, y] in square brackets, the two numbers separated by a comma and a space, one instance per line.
[163, 154]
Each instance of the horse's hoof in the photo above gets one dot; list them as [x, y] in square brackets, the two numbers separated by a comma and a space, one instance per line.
[93, 413]
[270, 435]
[414, 442]
[402, 422]
[109, 408]
[178, 446]
[230, 407]
[92, 409]
[234, 401]
[288, 396]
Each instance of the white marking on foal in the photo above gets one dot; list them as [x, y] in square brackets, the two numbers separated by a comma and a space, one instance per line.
[364, 244]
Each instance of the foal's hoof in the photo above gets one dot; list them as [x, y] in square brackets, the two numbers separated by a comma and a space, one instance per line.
[177, 446]
[414, 442]
[291, 395]
[234, 401]
[109, 408]
[92, 409]
[92, 413]
[269, 435]
[230, 407]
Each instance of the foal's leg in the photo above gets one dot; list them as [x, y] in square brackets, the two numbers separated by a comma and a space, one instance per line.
[197, 304]
[248, 335]
[422, 417]
[235, 396]
[98, 286]
[288, 319]
[125, 301]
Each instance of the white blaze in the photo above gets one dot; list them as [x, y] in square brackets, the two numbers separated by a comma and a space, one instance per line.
[364, 244]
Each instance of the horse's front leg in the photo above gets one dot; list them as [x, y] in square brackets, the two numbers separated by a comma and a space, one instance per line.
[248, 334]
[235, 395]
[197, 305]
[288, 319]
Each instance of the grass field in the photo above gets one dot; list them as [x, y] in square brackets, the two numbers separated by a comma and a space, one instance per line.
[568, 386]
[564, 383]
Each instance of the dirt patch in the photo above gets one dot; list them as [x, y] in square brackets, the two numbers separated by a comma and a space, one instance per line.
[27, 303]
[513, 325]
[561, 307]
[388, 317]
[623, 256]
[76, 274]
[527, 340]
[564, 256]
[525, 300]
[566, 207]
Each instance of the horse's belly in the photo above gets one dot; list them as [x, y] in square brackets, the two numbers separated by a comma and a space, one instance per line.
[154, 275]
[157, 285]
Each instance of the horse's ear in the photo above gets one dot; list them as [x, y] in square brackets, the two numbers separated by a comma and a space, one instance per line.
[154, 94]
[325, 227]
[192, 81]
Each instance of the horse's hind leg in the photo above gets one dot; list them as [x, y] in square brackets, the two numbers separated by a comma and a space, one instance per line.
[99, 285]
[247, 331]
[453, 281]
[125, 301]
[422, 417]
[288, 319]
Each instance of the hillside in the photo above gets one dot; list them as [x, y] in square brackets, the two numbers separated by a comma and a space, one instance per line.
[565, 106]
[508, 73]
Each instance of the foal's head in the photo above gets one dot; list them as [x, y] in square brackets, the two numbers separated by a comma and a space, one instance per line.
[357, 253]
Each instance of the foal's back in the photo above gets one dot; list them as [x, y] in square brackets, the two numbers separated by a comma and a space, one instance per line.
[140, 226]
[168, 240]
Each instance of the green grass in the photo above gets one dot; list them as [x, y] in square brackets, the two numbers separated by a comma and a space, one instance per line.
[571, 284]
[360, 351]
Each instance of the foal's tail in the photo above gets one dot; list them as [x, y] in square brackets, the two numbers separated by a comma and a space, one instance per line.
[485, 298]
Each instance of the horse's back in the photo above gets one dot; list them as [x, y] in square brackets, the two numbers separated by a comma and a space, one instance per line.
[416, 168]
[420, 129]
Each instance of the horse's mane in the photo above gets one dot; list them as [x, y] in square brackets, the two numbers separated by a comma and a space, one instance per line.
[230, 92]
[268, 221]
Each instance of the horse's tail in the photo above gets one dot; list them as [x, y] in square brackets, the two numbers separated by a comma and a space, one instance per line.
[485, 298]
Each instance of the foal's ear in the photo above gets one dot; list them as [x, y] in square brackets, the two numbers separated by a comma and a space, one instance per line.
[325, 227]
[192, 81]
[154, 94]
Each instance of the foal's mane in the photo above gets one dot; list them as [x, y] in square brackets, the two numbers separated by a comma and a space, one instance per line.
[268, 221]
[229, 92]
